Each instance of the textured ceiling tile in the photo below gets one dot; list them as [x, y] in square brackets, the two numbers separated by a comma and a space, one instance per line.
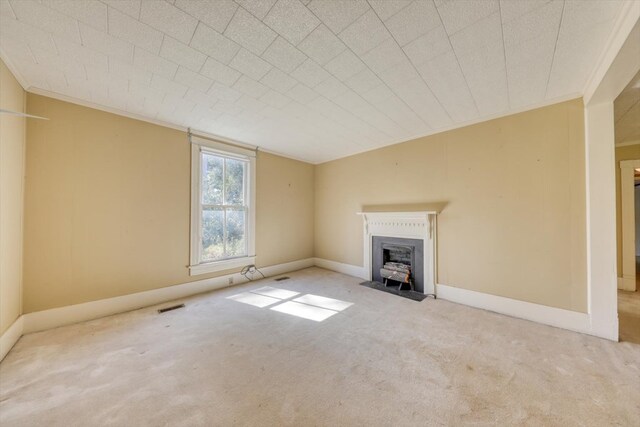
[73, 70]
[363, 81]
[345, 65]
[284, 55]
[203, 101]
[19, 31]
[224, 93]
[37, 15]
[491, 97]
[365, 33]
[528, 82]
[413, 21]
[5, 11]
[193, 80]
[91, 12]
[218, 71]
[385, 56]
[310, 73]
[338, 14]
[250, 64]
[398, 75]
[102, 42]
[169, 19]
[510, 10]
[79, 53]
[580, 16]
[124, 69]
[250, 87]
[180, 53]
[214, 44]
[16, 50]
[249, 32]
[543, 20]
[216, 14]
[331, 88]
[154, 64]
[302, 94]
[445, 78]
[291, 20]
[321, 45]
[127, 28]
[259, 8]
[484, 32]
[168, 86]
[387, 8]
[432, 44]
[130, 7]
[277, 80]
[457, 15]
[275, 99]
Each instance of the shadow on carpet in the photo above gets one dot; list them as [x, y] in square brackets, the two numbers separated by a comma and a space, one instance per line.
[412, 295]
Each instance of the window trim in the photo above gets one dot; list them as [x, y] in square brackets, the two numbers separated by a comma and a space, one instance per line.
[198, 145]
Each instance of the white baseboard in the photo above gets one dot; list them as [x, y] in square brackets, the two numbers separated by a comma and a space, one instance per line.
[348, 269]
[52, 318]
[566, 319]
[560, 318]
[11, 336]
[627, 283]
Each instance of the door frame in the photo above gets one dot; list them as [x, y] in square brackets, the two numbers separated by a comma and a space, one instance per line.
[627, 281]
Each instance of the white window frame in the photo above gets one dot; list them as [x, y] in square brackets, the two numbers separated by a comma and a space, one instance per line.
[198, 146]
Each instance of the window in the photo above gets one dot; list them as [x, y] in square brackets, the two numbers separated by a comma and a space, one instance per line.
[222, 205]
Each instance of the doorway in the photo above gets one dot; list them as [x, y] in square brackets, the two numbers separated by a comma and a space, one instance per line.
[627, 157]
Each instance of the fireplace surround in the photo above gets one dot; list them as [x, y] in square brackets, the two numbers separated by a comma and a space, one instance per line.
[415, 229]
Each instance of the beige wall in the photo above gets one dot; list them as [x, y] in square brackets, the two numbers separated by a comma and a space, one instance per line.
[514, 224]
[629, 152]
[12, 148]
[107, 206]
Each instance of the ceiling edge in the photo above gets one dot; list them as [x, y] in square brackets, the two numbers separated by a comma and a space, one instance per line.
[535, 106]
[118, 112]
[13, 70]
[626, 20]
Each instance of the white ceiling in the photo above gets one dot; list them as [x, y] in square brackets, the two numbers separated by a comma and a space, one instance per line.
[312, 79]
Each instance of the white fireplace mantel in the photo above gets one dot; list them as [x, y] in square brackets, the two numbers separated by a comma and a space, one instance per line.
[420, 225]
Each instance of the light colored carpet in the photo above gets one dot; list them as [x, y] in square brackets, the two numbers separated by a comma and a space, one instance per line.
[384, 360]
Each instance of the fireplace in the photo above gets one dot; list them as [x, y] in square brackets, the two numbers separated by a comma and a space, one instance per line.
[398, 262]
[407, 238]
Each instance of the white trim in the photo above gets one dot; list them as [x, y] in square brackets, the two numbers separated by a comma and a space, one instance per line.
[558, 317]
[421, 225]
[225, 264]
[625, 21]
[339, 267]
[55, 317]
[222, 147]
[627, 143]
[198, 145]
[11, 336]
[628, 225]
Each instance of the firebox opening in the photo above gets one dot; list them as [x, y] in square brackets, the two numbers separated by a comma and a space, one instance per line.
[397, 266]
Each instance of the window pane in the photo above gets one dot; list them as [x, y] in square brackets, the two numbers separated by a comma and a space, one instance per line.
[212, 234]
[234, 175]
[211, 179]
[235, 232]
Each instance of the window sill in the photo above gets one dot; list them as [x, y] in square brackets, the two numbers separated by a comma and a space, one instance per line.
[226, 264]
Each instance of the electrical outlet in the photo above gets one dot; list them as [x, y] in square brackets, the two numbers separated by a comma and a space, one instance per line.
[231, 280]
